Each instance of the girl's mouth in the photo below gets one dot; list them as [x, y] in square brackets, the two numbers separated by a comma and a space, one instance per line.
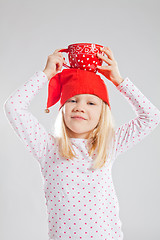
[79, 118]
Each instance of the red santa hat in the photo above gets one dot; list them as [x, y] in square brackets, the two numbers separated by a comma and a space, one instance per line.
[73, 81]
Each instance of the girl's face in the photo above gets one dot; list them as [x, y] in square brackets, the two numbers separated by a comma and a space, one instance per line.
[82, 114]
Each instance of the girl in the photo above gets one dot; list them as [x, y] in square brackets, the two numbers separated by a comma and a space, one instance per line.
[76, 161]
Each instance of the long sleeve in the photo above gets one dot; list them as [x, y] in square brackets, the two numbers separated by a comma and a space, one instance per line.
[27, 127]
[147, 118]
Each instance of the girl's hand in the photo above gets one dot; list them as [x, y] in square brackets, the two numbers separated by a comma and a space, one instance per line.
[110, 71]
[54, 64]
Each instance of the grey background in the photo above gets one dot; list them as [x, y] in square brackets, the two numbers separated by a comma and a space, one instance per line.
[30, 31]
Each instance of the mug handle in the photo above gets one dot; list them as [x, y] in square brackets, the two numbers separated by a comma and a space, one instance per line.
[66, 51]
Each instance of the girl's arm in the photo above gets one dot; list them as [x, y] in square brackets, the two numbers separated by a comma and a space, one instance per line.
[27, 127]
[148, 117]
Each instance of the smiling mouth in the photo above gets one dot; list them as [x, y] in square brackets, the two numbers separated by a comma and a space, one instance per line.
[79, 118]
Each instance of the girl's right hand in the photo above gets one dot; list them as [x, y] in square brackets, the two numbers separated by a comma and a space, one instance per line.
[54, 64]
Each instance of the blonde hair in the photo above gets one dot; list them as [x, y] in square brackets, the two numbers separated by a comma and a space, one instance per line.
[99, 141]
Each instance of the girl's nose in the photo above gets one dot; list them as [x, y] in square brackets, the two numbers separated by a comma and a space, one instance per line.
[79, 108]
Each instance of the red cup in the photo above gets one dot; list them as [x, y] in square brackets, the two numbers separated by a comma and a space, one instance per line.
[83, 56]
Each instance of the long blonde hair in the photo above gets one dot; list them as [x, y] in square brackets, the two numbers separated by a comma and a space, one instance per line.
[100, 139]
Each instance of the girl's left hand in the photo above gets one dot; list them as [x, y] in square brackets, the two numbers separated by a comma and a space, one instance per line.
[110, 71]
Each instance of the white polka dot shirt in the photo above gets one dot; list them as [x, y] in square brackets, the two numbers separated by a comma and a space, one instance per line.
[81, 202]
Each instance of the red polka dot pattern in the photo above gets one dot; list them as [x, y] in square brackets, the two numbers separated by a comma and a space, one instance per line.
[81, 203]
[147, 119]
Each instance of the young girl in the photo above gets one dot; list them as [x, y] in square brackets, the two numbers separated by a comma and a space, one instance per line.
[76, 161]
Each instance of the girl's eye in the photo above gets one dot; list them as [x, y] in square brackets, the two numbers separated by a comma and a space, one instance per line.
[91, 103]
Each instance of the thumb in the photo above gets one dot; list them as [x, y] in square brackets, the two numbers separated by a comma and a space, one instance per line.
[99, 67]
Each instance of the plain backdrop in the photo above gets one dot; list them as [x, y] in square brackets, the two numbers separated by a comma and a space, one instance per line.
[30, 31]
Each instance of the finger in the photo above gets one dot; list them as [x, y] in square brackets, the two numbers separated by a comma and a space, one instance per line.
[60, 61]
[104, 68]
[58, 53]
[59, 56]
[104, 58]
[59, 65]
[108, 52]
[57, 50]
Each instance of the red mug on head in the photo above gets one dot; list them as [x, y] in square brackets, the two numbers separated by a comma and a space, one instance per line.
[83, 56]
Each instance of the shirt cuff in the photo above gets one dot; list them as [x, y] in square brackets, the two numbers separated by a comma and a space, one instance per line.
[123, 84]
[41, 74]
